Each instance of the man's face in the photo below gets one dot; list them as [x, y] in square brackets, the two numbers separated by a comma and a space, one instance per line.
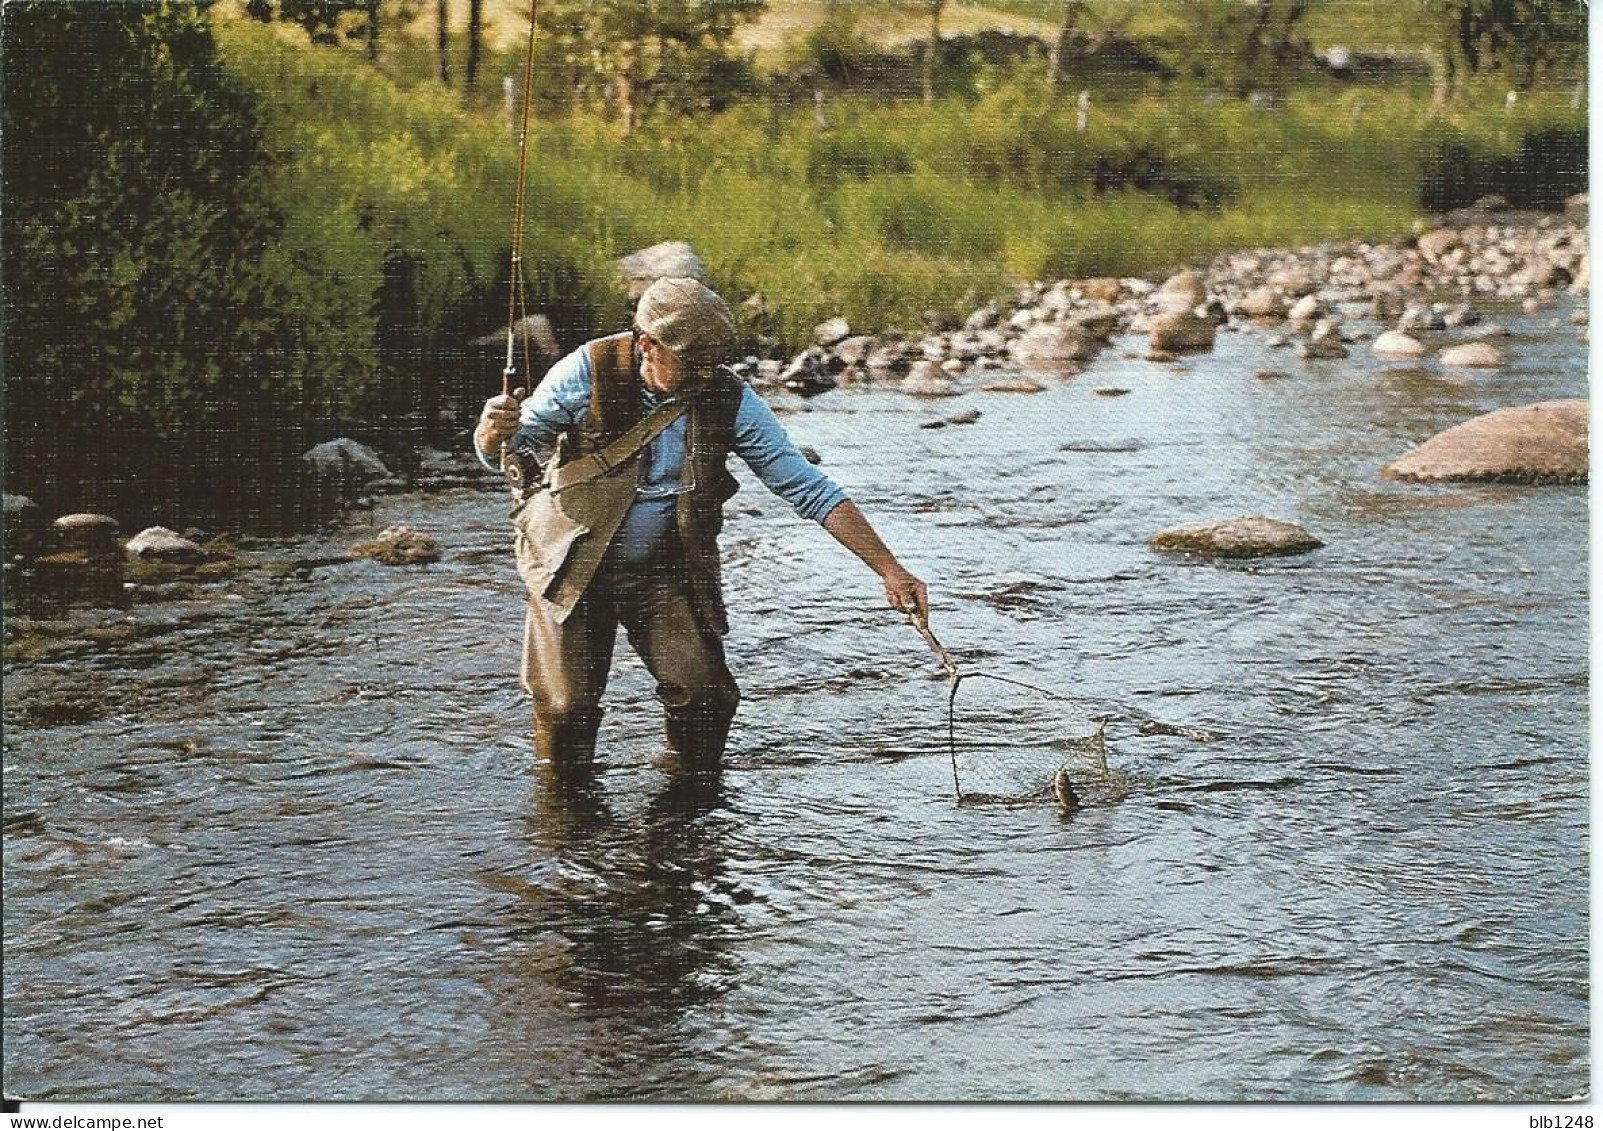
[660, 367]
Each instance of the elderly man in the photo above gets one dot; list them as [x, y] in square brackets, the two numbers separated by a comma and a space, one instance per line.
[618, 466]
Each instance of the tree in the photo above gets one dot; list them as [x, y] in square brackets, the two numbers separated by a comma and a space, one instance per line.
[156, 330]
[475, 42]
[934, 51]
[442, 40]
[646, 53]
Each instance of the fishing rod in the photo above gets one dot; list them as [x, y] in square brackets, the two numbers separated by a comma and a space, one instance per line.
[516, 299]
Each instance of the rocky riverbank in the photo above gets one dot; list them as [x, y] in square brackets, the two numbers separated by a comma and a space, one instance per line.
[1423, 299]
[1410, 297]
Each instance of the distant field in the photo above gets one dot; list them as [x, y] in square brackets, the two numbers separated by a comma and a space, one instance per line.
[1384, 26]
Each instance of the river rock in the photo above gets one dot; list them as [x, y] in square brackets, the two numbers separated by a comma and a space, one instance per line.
[24, 526]
[1249, 536]
[983, 318]
[1054, 343]
[1099, 321]
[674, 259]
[1433, 245]
[1181, 293]
[1292, 280]
[1013, 385]
[925, 379]
[165, 545]
[1306, 309]
[1537, 443]
[854, 350]
[1260, 302]
[1395, 343]
[399, 545]
[832, 332]
[1099, 290]
[1472, 355]
[1177, 332]
[891, 355]
[346, 461]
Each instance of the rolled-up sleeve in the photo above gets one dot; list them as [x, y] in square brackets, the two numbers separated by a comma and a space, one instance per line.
[558, 402]
[761, 441]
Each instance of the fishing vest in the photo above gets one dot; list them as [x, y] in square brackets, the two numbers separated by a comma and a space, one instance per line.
[561, 537]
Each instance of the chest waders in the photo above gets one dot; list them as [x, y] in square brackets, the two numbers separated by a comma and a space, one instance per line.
[565, 519]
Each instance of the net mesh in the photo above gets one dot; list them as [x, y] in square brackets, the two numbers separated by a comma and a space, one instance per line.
[1012, 742]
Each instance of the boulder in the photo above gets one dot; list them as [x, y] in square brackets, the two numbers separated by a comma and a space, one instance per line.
[346, 461]
[1174, 333]
[674, 259]
[926, 380]
[1537, 443]
[535, 329]
[24, 525]
[1249, 536]
[398, 545]
[1472, 355]
[831, 332]
[1054, 343]
[1395, 343]
[159, 543]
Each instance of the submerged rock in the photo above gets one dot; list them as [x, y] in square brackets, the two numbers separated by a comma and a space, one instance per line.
[1395, 343]
[1249, 536]
[399, 545]
[1536, 443]
[1473, 355]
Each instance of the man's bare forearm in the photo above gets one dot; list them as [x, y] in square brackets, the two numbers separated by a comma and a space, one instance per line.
[847, 525]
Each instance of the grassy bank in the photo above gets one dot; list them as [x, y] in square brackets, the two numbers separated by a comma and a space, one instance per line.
[892, 210]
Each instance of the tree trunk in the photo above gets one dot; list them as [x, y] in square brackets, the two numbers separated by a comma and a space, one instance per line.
[1060, 46]
[1254, 46]
[1294, 15]
[372, 31]
[475, 41]
[442, 39]
[933, 52]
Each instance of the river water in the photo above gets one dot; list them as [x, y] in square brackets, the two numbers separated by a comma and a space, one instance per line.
[286, 841]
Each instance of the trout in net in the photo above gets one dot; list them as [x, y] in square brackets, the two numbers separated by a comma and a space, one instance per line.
[1027, 759]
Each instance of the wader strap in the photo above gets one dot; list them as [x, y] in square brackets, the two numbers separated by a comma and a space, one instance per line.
[625, 447]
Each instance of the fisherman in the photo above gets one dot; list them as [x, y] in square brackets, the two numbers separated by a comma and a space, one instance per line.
[617, 462]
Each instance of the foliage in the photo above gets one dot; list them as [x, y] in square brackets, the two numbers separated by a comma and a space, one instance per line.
[150, 306]
[635, 56]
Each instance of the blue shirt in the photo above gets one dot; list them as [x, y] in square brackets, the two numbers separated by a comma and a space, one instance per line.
[562, 400]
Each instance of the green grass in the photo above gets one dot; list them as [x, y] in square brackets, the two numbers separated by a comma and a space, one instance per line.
[895, 210]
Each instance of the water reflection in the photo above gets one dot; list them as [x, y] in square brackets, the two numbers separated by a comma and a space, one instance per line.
[628, 926]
